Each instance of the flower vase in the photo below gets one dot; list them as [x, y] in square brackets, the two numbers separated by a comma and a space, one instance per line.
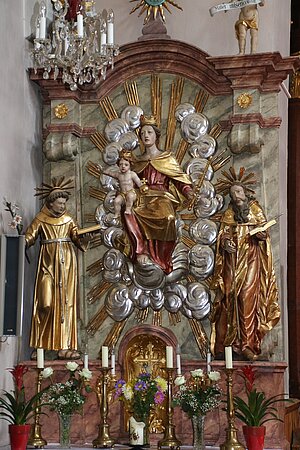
[64, 430]
[198, 432]
[146, 442]
[254, 437]
[19, 435]
[136, 432]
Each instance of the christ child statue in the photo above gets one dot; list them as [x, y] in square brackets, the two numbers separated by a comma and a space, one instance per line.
[127, 179]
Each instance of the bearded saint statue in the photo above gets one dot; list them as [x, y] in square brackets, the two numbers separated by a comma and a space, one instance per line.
[246, 301]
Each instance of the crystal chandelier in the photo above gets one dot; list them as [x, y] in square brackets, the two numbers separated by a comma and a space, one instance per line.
[80, 42]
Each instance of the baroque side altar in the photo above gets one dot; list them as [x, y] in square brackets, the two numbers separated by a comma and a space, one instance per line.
[237, 97]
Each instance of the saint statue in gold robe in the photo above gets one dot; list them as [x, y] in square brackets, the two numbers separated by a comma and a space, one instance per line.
[246, 301]
[54, 318]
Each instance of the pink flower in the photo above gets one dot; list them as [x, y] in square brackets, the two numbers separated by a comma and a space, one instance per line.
[159, 397]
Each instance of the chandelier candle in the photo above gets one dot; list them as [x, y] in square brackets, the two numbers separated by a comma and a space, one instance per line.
[80, 25]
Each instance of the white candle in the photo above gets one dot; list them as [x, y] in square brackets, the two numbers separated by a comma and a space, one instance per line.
[113, 362]
[228, 357]
[86, 361]
[40, 358]
[110, 33]
[208, 361]
[110, 27]
[103, 35]
[178, 360]
[169, 357]
[80, 25]
[42, 31]
[67, 42]
[103, 38]
[104, 356]
[37, 31]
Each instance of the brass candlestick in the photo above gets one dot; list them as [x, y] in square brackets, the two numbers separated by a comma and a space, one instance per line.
[231, 442]
[35, 438]
[169, 439]
[103, 440]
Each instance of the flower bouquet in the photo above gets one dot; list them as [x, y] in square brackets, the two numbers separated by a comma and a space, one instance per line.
[141, 395]
[68, 397]
[196, 396]
[199, 393]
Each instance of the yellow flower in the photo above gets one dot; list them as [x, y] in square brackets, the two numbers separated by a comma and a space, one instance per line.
[162, 383]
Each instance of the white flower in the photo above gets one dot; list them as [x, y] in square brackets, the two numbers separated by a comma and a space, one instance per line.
[47, 372]
[179, 380]
[214, 375]
[127, 392]
[85, 373]
[197, 373]
[72, 366]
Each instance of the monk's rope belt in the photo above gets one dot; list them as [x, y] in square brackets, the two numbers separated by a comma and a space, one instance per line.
[58, 240]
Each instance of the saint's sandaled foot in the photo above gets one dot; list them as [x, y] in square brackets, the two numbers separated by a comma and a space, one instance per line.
[68, 354]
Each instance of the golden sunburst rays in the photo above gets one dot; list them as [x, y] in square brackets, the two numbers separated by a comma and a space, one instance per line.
[99, 140]
[153, 8]
[115, 333]
[97, 193]
[108, 109]
[174, 318]
[216, 131]
[131, 92]
[141, 315]
[201, 100]
[156, 98]
[186, 240]
[98, 291]
[231, 177]
[219, 161]
[95, 268]
[157, 318]
[95, 241]
[199, 104]
[57, 184]
[96, 321]
[175, 99]
[93, 169]
[200, 336]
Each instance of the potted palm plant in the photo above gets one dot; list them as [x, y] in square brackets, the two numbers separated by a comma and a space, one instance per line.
[17, 410]
[255, 410]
